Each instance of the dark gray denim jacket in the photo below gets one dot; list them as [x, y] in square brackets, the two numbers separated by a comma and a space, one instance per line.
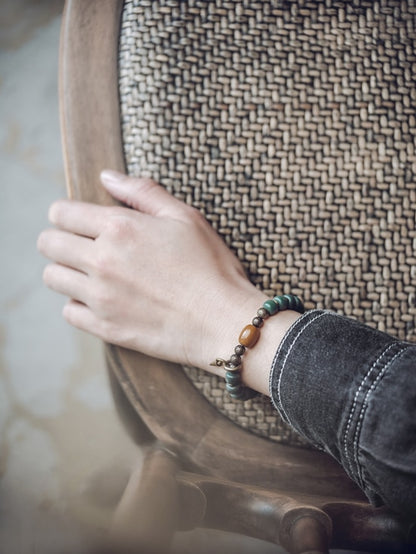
[351, 391]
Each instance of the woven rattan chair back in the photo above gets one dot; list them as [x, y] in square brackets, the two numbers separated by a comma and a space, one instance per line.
[292, 126]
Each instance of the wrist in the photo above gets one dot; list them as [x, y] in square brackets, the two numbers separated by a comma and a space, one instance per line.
[258, 360]
[222, 328]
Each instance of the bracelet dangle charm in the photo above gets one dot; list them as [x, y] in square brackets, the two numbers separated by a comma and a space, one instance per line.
[248, 338]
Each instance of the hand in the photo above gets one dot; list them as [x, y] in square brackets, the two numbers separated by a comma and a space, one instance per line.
[152, 276]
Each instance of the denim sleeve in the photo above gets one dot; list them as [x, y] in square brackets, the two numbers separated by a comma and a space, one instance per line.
[351, 391]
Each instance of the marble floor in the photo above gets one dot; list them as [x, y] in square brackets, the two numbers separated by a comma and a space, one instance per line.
[64, 456]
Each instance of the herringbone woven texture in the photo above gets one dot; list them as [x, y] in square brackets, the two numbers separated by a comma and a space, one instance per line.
[292, 126]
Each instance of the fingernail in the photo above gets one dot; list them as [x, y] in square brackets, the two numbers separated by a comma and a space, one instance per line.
[110, 176]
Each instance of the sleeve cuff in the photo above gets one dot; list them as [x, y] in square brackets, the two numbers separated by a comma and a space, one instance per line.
[321, 376]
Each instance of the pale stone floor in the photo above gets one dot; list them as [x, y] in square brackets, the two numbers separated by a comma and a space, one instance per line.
[64, 456]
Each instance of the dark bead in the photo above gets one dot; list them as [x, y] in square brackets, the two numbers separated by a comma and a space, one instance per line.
[233, 378]
[257, 322]
[243, 393]
[239, 349]
[263, 313]
[249, 393]
[235, 359]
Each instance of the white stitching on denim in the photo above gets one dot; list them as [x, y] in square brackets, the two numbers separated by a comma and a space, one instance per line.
[285, 360]
[352, 410]
[297, 323]
[360, 420]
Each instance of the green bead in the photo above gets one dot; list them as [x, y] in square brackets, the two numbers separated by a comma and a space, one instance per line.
[240, 392]
[271, 306]
[295, 303]
[299, 307]
[233, 378]
[292, 301]
[235, 391]
[282, 301]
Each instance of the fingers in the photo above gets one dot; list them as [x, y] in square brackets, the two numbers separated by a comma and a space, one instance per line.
[67, 281]
[142, 194]
[81, 317]
[66, 248]
[80, 218]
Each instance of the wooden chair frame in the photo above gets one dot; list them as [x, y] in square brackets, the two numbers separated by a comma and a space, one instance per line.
[214, 473]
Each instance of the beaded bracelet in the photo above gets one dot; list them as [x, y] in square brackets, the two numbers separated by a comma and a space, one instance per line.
[248, 338]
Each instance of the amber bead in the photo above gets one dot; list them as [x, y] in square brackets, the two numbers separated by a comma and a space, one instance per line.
[249, 336]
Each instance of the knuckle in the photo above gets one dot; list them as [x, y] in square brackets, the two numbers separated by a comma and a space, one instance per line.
[193, 215]
[119, 227]
[102, 263]
[102, 299]
[145, 185]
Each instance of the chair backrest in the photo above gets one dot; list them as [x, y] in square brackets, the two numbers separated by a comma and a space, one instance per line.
[292, 126]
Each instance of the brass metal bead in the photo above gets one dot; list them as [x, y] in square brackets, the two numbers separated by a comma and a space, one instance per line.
[235, 359]
[239, 349]
[232, 367]
[263, 313]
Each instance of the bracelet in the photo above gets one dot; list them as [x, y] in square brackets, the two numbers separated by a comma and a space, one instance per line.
[248, 338]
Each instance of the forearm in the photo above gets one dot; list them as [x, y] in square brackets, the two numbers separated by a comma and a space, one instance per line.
[351, 391]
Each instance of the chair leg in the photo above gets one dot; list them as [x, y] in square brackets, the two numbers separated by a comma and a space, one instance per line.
[146, 517]
[308, 536]
[256, 512]
[161, 499]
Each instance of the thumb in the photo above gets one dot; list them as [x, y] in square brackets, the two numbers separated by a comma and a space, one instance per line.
[141, 194]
